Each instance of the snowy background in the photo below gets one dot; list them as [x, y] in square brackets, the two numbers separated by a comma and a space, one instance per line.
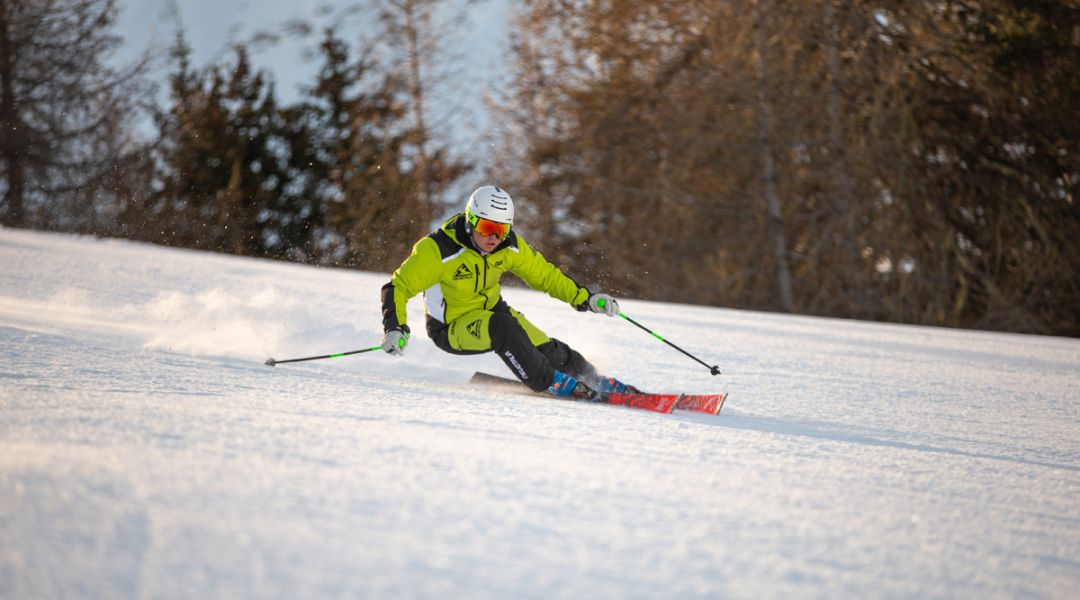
[146, 451]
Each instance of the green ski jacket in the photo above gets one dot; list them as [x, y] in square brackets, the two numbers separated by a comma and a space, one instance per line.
[456, 279]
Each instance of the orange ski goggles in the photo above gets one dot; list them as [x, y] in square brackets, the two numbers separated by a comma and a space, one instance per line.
[486, 227]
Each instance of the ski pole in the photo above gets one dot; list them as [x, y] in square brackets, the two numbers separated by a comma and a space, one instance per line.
[271, 362]
[715, 370]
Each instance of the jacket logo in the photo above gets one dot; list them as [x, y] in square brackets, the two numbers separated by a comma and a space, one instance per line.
[463, 272]
[474, 328]
[497, 263]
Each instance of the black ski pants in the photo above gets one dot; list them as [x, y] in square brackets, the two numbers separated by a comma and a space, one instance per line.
[528, 352]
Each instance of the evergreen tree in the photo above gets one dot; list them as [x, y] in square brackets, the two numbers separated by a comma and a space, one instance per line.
[63, 112]
[375, 211]
[225, 177]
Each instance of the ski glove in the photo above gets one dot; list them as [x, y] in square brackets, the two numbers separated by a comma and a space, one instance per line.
[395, 340]
[603, 304]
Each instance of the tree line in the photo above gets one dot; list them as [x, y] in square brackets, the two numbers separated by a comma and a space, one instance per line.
[346, 175]
[911, 162]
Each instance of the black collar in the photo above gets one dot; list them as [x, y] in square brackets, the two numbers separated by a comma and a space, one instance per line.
[464, 236]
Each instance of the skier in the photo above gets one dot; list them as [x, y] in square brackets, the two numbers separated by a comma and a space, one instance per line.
[458, 268]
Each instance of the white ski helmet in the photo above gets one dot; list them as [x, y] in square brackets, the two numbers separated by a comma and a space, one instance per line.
[491, 203]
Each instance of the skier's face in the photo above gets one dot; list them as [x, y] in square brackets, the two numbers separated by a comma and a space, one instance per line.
[486, 243]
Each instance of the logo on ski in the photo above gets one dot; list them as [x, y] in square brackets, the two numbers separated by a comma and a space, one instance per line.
[474, 328]
[463, 272]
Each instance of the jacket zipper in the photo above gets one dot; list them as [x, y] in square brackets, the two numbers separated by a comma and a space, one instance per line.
[478, 288]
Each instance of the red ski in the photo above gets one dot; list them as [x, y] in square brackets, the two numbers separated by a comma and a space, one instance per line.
[665, 403]
[661, 403]
[706, 403]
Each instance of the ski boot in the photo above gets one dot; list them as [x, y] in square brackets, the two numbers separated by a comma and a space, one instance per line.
[610, 385]
[566, 386]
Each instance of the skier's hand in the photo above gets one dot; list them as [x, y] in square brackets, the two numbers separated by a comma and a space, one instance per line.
[396, 340]
[603, 304]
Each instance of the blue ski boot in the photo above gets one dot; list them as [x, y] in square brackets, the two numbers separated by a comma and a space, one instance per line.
[610, 385]
[566, 386]
[562, 385]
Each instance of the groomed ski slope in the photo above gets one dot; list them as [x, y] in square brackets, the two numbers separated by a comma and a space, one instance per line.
[147, 452]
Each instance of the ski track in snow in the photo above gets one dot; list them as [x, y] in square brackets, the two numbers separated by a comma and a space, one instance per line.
[146, 451]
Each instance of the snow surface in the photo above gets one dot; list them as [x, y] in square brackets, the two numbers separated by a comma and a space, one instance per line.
[146, 451]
